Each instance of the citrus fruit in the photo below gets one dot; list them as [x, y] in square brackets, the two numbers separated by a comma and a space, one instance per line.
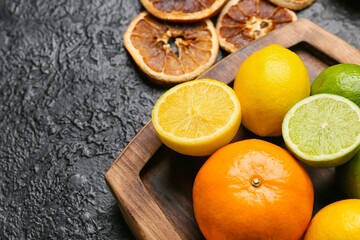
[198, 117]
[252, 189]
[293, 4]
[243, 21]
[323, 130]
[340, 79]
[337, 221]
[182, 10]
[149, 41]
[268, 84]
[348, 177]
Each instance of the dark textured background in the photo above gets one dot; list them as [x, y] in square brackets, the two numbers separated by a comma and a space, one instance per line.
[71, 99]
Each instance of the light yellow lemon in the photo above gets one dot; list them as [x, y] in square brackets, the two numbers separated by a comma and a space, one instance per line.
[196, 118]
[337, 221]
[268, 84]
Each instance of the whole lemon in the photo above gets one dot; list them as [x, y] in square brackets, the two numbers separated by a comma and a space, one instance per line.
[338, 221]
[268, 84]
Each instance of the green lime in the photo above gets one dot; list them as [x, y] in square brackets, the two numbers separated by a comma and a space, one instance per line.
[323, 130]
[341, 79]
[348, 177]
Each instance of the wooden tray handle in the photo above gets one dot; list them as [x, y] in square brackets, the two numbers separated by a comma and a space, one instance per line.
[138, 207]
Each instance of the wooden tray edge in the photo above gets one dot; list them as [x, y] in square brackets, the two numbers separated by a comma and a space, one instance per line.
[123, 176]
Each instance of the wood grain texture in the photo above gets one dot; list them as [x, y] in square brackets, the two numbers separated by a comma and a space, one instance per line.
[152, 184]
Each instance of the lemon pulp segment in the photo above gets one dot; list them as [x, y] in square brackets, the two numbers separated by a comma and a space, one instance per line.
[198, 117]
[196, 112]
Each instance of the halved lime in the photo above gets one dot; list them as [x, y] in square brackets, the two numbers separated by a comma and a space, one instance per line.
[323, 130]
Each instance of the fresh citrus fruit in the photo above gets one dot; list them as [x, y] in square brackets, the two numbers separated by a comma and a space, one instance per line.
[252, 189]
[323, 130]
[149, 40]
[293, 4]
[340, 79]
[348, 177]
[243, 21]
[182, 10]
[198, 117]
[338, 221]
[268, 84]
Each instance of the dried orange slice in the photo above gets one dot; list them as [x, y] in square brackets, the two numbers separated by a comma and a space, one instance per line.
[183, 10]
[293, 4]
[148, 40]
[243, 21]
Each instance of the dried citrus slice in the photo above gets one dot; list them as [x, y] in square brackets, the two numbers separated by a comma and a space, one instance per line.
[293, 4]
[183, 10]
[243, 21]
[148, 40]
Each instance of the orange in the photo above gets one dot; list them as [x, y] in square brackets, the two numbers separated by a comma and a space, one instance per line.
[338, 221]
[252, 189]
[169, 52]
[242, 21]
[182, 10]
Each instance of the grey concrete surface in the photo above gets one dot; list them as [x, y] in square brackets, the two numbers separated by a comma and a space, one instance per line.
[71, 99]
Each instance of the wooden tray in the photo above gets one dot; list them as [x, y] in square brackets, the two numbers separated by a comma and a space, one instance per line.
[153, 184]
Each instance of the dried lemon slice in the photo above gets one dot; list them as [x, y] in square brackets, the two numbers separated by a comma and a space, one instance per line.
[148, 40]
[243, 21]
[183, 10]
[293, 4]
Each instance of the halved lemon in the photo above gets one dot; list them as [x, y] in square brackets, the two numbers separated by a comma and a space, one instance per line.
[148, 40]
[183, 10]
[243, 21]
[197, 117]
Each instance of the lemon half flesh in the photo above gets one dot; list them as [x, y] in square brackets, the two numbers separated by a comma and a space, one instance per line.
[196, 118]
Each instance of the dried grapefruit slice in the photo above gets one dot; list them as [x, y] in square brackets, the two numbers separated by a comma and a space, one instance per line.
[293, 4]
[243, 21]
[183, 10]
[148, 40]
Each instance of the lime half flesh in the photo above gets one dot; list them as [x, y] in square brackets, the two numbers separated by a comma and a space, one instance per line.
[323, 130]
